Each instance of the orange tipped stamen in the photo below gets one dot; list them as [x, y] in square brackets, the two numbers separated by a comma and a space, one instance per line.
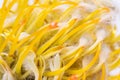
[74, 77]
[53, 25]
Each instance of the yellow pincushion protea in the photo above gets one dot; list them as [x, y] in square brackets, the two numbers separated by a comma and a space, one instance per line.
[59, 40]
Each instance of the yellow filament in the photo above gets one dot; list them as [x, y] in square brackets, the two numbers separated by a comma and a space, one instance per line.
[53, 39]
[117, 51]
[18, 33]
[116, 77]
[15, 28]
[96, 69]
[89, 65]
[84, 76]
[115, 64]
[5, 66]
[4, 15]
[57, 72]
[65, 13]
[103, 73]
[43, 15]
[24, 53]
[78, 29]
[93, 14]
[52, 51]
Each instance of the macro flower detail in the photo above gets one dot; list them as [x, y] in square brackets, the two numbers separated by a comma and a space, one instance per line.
[59, 40]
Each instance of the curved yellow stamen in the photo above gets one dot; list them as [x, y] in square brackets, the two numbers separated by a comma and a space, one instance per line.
[66, 66]
[58, 35]
[103, 73]
[89, 65]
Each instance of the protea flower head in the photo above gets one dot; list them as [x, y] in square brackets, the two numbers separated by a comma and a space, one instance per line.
[59, 40]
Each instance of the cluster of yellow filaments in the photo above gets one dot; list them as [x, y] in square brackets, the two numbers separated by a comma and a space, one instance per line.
[56, 40]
